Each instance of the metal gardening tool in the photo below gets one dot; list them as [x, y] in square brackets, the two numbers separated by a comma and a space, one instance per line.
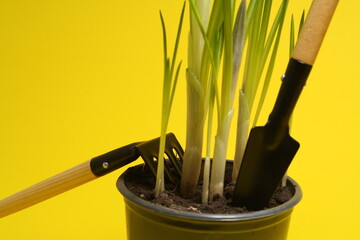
[270, 149]
[95, 168]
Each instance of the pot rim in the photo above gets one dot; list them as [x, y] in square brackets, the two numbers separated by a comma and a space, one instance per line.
[289, 205]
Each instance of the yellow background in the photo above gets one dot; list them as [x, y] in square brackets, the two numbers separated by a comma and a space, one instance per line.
[80, 78]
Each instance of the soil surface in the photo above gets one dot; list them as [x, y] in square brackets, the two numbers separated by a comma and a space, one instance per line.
[141, 182]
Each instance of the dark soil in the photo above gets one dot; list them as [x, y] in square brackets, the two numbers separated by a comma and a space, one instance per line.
[141, 182]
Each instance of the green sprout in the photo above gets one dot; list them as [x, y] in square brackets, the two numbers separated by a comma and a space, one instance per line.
[169, 85]
[216, 42]
[217, 38]
[261, 41]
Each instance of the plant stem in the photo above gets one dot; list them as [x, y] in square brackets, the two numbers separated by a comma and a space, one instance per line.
[196, 94]
[243, 124]
[194, 135]
[260, 42]
[226, 111]
[207, 162]
[169, 86]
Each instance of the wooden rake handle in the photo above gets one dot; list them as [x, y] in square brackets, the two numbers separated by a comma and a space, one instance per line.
[46, 189]
[68, 179]
[313, 30]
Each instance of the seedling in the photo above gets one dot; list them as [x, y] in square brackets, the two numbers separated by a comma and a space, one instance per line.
[217, 39]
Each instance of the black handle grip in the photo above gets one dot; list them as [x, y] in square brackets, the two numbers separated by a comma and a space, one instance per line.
[293, 82]
[113, 160]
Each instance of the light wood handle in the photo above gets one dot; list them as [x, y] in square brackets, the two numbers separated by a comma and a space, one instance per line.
[46, 189]
[313, 30]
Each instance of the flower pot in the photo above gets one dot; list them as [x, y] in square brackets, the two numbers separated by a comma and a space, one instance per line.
[147, 221]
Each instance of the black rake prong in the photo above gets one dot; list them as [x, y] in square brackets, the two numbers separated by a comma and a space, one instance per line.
[174, 152]
[149, 152]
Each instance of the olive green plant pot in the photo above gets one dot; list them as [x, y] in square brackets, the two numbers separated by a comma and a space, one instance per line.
[146, 221]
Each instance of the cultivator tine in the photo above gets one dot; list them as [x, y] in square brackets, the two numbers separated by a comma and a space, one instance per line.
[174, 152]
[149, 152]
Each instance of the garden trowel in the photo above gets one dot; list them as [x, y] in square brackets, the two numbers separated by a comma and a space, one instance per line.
[270, 149]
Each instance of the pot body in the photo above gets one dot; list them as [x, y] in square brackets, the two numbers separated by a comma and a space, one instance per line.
[146, 221]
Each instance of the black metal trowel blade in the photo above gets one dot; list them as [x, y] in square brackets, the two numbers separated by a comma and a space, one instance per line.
[270, 149]
[264, 164]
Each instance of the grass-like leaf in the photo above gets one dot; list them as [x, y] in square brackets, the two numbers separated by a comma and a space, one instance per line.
[239, 37]
[225, 109]
[260, 41]
[169, 86]
[279, 21]
[292, 36]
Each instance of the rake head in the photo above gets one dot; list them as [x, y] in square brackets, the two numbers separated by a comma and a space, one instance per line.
[149, 152]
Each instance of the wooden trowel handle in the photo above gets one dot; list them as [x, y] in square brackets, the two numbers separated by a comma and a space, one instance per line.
[313, 30]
